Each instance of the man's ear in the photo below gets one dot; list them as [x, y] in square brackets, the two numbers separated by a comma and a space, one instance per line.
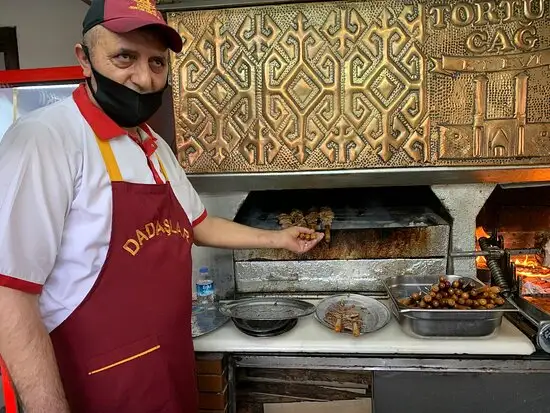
[83, 60]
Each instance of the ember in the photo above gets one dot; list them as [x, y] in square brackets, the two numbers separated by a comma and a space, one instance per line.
[533, 276]
[481, 262]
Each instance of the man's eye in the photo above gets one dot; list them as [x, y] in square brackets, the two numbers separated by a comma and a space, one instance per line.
[158, 62]
[124, 57]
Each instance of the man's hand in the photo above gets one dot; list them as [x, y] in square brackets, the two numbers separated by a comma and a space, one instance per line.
[289, 239]
[221, 233]
[27, 350]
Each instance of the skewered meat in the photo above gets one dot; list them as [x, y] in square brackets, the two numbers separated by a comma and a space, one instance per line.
[311, 218]
[299, 220]
[285, 221]
[296, 218]
[326, 215]
[344, 317]
[311, 222]
[459, 295]
[296, 215]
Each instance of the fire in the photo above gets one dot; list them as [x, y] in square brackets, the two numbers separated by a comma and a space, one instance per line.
[481, 262]
[527, 261]
[480, 232]
[529, 266]
[526, 265]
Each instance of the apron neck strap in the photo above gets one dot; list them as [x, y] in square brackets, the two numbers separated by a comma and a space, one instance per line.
[112, 165]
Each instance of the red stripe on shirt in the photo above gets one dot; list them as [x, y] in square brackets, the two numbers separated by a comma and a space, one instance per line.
[19, 284]
[201, 218]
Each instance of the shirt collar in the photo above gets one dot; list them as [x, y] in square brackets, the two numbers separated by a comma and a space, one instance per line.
[102, 125]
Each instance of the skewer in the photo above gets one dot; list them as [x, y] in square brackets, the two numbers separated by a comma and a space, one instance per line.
[300, 221]
[296, 215]
[311, 219]
[342, 316]
[326, 216]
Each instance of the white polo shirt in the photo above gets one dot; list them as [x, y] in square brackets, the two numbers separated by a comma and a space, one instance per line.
[56, 200]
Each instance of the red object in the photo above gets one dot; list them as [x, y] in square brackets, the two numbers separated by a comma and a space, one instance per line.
[22, 285]
[148, 146]
[105, 128]
[128, 347]
[40, 76]
[122, 16]
[10, 398]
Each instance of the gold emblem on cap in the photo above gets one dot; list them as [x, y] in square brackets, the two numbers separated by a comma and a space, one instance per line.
[146, 6]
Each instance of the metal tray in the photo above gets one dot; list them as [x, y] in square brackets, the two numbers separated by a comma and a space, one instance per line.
[204, 321]
[441, 323]
[267, 309]
[374, 314]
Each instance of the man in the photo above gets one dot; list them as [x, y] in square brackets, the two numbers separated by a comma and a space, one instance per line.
[97, 220]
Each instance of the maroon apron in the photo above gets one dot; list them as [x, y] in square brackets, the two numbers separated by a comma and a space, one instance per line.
[128, 347]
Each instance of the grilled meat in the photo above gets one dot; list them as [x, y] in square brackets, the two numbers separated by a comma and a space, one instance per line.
[312, 218]
[344, 317]
[285, 221]
[327, 216]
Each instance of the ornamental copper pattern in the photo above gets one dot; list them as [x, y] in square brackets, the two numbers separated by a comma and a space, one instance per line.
[345, 85]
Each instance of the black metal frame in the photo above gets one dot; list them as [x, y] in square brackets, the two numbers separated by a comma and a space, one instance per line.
[8, 46]
[403, 384]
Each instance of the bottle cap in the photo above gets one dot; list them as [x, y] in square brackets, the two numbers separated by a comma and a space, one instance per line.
[203, 269]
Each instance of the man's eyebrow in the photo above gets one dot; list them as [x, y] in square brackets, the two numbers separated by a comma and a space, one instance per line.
[124, 50]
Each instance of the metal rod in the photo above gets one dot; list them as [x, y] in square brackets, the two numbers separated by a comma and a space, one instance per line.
[525, 251]
[497, 252]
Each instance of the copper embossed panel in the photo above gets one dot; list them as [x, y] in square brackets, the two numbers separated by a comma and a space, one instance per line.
[343, 85]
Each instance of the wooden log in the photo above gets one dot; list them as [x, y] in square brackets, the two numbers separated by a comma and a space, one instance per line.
[343, 379]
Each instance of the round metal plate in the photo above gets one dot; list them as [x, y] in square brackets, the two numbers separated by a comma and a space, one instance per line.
[267, 309]
[204, 321]
[286, 326]
[373, 313]
[261, 326]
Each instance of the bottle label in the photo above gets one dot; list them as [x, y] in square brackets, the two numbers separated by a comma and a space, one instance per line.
[205, 288]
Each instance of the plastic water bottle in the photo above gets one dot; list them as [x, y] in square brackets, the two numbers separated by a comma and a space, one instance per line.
[205, 288]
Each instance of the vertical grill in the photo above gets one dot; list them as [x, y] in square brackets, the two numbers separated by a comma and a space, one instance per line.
[374, 233]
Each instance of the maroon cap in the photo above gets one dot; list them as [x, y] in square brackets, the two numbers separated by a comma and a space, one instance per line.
[123, 16]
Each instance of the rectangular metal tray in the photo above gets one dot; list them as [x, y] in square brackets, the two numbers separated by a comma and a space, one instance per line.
[441, 323]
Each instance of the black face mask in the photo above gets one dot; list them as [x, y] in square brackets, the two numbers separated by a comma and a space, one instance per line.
[123, 105]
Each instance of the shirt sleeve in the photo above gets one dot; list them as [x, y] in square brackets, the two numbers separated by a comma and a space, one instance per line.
[36, 189]
[183, 189]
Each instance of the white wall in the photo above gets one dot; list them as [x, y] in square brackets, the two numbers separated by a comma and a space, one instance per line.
[47, 30]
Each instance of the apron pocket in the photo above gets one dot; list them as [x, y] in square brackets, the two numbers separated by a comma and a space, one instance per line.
[130, 379]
